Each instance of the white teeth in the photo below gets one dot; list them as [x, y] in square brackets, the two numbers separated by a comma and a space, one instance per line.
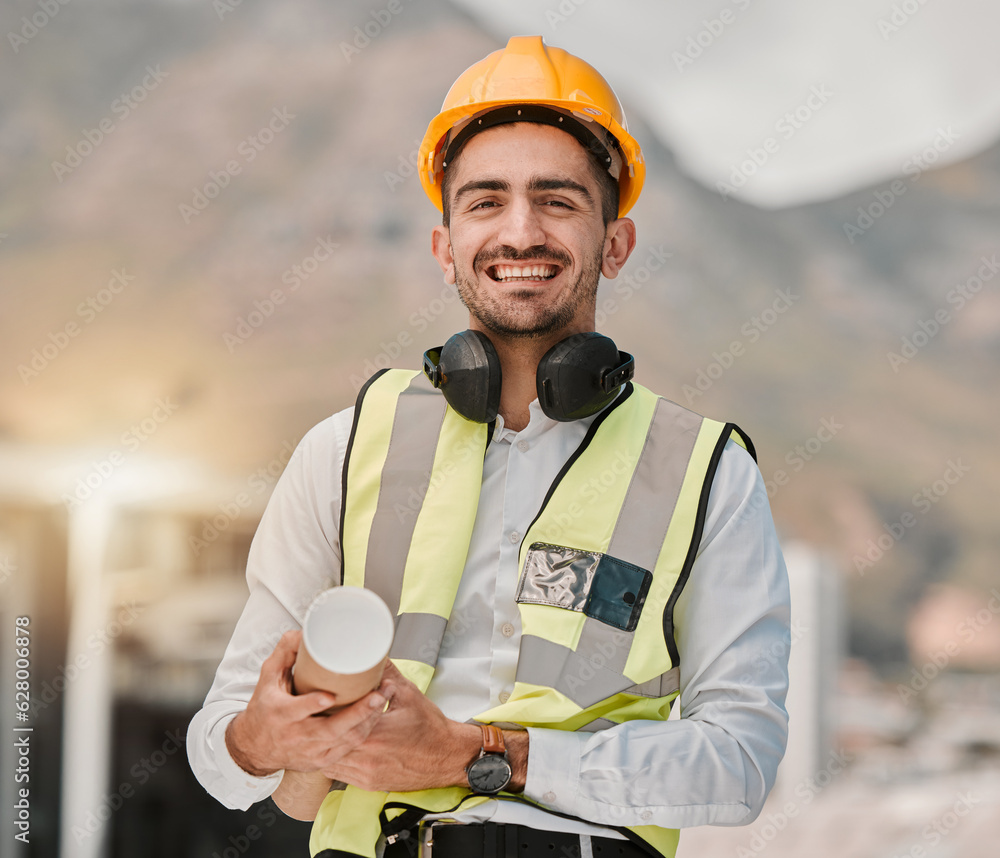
[523, 272]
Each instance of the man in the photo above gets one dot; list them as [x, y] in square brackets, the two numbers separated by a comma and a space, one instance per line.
[566, 553]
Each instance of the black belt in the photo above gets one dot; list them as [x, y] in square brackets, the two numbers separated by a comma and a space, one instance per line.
[495, 840]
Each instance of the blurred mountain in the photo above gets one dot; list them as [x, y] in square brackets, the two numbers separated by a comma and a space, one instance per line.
[211, 232]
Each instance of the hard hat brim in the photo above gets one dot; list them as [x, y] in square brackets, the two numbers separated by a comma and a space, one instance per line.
[632, 174]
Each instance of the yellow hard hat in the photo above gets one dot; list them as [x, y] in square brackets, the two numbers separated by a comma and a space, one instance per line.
[511, 85]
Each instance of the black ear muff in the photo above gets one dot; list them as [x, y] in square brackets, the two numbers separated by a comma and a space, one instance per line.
[576, 378]
[466, 369]
[580, 375]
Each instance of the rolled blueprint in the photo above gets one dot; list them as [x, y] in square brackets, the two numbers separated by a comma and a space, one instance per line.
[346, 637]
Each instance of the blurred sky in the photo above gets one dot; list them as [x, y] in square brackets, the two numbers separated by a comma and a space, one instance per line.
[869, 84]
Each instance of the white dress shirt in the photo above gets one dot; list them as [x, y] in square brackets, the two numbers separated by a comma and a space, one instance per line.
[715, 765]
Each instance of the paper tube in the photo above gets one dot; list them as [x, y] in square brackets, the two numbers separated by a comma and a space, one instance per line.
[346, 637]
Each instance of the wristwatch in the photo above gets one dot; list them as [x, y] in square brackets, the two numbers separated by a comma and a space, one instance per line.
[490, 772]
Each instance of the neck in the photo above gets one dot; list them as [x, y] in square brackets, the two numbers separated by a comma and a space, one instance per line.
[519, 359]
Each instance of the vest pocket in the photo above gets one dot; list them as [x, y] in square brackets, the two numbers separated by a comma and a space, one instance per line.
[597, 585]
[617, 593]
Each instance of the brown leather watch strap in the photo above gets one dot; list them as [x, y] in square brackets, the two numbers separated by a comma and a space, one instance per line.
[493, 740]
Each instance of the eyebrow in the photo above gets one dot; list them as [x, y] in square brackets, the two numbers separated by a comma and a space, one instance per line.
[481, 185]
[536, 183]
[540, 184]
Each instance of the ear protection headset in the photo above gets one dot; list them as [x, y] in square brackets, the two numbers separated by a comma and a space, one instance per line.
[577, 377]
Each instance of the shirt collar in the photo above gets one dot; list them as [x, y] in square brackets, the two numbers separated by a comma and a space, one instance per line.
[538, 424]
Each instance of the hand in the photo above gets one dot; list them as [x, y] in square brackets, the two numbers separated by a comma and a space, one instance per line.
[277, 730]
[412, 746]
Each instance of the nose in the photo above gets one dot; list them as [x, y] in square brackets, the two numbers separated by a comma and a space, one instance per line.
[520, 226]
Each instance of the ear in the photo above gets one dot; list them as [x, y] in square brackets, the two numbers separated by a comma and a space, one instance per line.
[441, 248]
[619, 242]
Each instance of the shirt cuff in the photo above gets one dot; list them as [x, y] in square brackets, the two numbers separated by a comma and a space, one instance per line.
[554, 767]
[239, 789]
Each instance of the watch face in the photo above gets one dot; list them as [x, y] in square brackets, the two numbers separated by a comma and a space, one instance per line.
[489, 774]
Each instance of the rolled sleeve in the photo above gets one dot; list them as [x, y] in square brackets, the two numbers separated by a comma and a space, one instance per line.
[216, 769]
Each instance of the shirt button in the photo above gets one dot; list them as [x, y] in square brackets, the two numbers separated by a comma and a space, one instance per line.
[515, 537]
[549, 796]
[507, 629]
[646, 815]
[522, 446]
[504, 696]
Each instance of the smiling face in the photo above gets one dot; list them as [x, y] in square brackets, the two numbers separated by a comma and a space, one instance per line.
[526, 243]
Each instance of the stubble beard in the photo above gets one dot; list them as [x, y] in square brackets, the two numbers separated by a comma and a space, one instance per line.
[517, 317]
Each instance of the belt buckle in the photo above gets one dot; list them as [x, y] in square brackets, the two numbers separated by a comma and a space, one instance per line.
[426, 838]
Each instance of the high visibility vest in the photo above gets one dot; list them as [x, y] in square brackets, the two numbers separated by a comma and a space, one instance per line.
[602, 566]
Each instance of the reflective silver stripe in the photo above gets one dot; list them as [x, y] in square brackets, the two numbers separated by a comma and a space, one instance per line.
[658, 686]
[418, 637]
[596, 725]
[604, 645]
[588, 680]
[655, 485]
[406, 473]
[552, 665]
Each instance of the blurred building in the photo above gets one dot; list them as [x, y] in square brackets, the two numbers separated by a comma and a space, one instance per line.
[817, 650]
[130, 603]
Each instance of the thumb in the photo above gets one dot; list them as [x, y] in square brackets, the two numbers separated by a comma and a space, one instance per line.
[277, 667]
[394, 682]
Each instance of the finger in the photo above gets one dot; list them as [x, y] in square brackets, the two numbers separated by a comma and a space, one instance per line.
[377, 700]
[388, 689]
[281, 659]
[338, 770]
[289, 644]
[391, 671]
[393, 682]
[394, 678]
[355, 721]
[311, 703]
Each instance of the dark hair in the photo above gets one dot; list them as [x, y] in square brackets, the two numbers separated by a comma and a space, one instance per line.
[607, 183]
